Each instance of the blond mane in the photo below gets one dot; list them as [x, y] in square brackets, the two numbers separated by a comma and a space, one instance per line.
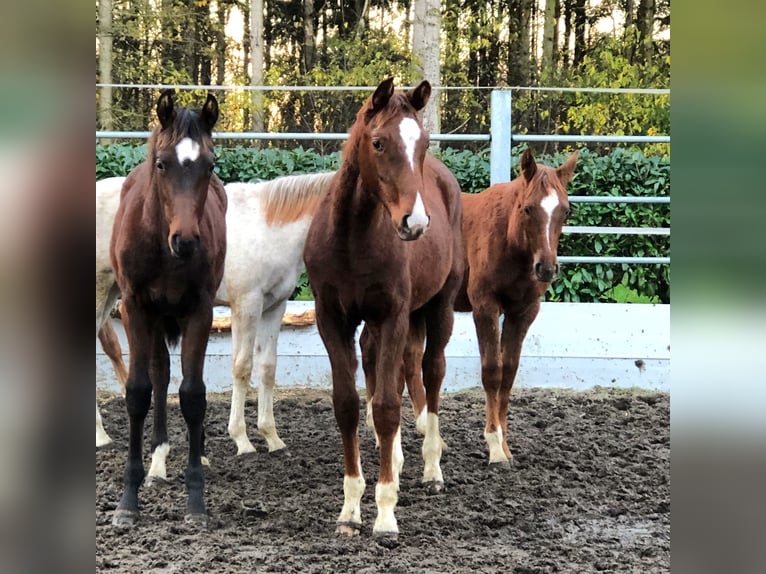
[292, 197]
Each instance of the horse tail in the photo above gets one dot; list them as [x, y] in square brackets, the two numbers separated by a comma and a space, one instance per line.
[172, 330]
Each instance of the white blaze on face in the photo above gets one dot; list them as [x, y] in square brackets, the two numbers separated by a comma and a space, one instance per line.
[410, 132]
[549, 204]
[187, 148]
[418, 217]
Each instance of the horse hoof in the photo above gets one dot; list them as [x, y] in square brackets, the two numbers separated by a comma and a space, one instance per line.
[386, 539]
[124, 519]
[500, 465]
[348, 529]
[280, 453]
[434, 486]
[253, 508]
[156, 481]
[197, 520]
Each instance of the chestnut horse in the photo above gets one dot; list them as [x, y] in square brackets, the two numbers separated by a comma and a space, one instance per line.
[510, 238]
[384, 248]
[167, 250]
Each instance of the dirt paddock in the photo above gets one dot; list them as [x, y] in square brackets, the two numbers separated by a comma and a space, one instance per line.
[589, 491]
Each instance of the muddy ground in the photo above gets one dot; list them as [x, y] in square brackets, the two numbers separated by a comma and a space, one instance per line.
[589, 491]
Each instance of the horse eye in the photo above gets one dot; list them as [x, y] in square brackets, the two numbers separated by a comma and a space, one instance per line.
[377, 145]
[160, 166]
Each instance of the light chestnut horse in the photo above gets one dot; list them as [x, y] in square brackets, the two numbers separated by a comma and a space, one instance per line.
[510, 237]
[384, 248]
[167, 250]
[266, 227]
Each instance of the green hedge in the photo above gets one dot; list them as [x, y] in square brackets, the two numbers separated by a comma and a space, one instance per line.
[624, 172]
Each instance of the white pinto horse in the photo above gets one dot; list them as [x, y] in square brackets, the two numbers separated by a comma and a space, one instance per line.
[266, 228]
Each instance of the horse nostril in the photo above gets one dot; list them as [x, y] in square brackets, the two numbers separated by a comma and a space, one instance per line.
[538, 269]
[556, 269]
[404, 225]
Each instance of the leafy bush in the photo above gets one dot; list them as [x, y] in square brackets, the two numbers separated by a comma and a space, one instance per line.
[623, 172]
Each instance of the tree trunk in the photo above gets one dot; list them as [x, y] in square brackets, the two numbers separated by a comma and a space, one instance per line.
[426, 50]
[309, 36]
[567, 32]
[105, 37]
[256, 56]
[579, 21]
[524, 40]
[549, 21]
[220, 45]
[646, 9]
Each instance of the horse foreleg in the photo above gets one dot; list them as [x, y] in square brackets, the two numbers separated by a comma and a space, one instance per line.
[159, 372]
[244, 319]
[486, 320]
[515, 327]
[387, 411]
[266, 367]
[338, 339]
[138, 396]
[193, 405]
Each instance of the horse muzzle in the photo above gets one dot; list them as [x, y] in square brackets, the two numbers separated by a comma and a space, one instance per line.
[409, 231]
[546, 273]
[184, 248]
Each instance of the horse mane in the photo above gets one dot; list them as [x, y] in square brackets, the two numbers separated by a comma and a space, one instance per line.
[185, 124]
[291, 197]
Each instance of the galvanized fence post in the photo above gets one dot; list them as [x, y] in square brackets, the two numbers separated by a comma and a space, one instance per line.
[500, 137]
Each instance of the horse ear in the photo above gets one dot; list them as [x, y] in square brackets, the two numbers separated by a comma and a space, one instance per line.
[165, 111]
[210, 112]
[566, 170]
[528, 165]
[382, 94]
[419, 95]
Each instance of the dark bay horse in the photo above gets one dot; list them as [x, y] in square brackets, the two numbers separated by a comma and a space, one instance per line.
[384, 248]
[167, 249]
[510, 238]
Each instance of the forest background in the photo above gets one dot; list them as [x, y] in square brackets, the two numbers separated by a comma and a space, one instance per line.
[253, 49]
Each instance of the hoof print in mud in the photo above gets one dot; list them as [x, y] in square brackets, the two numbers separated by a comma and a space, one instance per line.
[124, 519]
[348, 529]
[253, 509]
[196, 520]
[386, 539]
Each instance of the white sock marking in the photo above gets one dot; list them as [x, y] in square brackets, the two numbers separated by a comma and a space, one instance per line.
[432, 450]
[495, 444]
[159, 455]
[353, 489]
[386, 498]
[187, 148]
[410, 132]
[549, 204]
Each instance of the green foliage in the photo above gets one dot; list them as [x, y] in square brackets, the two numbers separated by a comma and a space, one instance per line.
[623, 172]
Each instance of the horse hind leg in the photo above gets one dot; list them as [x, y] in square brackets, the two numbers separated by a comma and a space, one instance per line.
[439, 319]
[413, 369]
[266, 366]
[244, 322]
[368, 351]
[159, 373]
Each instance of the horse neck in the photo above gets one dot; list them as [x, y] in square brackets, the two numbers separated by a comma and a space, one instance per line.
[354, 204]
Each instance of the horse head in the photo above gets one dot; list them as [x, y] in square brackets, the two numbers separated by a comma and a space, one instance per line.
[391, 148]
[542, 209]
[182, 160]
